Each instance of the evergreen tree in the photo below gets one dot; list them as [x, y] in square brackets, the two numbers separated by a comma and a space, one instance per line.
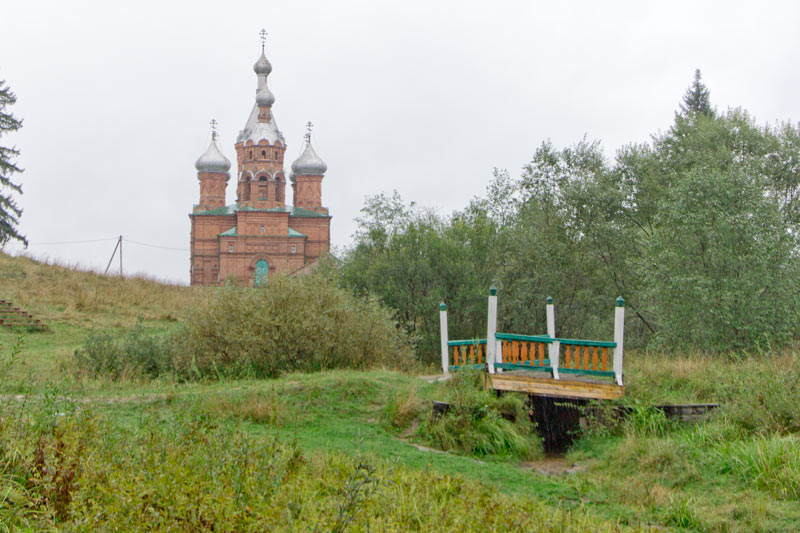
[697, 101]
[9, 212]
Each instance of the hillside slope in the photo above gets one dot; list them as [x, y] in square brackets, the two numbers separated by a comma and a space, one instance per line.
[66, 295]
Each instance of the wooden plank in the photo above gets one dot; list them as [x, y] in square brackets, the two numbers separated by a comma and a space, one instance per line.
[594, 358]
[605, 356]
[515, 337]
[586, 358]
[563, 388]
[579, 342]
[541, 353]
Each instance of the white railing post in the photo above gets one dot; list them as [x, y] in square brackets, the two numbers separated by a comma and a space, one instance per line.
[498, 354]
[443, 328]
[491, 329]
[551, 332]
[555, 348]
[619, 335]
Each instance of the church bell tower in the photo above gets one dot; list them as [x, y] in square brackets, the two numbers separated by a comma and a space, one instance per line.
[260, 147]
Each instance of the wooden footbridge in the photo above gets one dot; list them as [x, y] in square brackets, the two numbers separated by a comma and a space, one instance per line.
[541, 365]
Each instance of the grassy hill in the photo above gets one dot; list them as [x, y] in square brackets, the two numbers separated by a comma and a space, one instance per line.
[73, 301]
[345, 450]
[64, 295]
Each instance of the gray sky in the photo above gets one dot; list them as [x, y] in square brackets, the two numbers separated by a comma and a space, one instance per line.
[425, 97]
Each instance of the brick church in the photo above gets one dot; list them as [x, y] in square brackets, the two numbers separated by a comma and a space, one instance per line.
[260, 234]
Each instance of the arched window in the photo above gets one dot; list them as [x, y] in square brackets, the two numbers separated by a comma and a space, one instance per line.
[246, 191]
[250, 154]
[264, 154]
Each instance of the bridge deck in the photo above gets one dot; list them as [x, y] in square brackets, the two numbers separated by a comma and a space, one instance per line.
[579, 387]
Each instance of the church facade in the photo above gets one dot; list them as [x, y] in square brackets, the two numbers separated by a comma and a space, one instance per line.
[260, 234]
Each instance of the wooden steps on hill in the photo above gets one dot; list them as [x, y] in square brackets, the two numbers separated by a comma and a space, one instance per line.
[12, 316]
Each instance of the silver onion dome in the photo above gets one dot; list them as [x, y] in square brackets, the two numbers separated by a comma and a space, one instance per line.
[212, 160]
[291, 177]
[262, 66]
[264, 96]
[309, 163]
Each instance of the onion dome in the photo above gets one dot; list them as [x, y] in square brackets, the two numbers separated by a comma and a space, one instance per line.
[264, 96]
[291, 177]
[212, 160]
[262, 66]
[309, 162]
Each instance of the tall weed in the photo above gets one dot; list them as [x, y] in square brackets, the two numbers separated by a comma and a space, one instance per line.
[771, 463]
[478, 423]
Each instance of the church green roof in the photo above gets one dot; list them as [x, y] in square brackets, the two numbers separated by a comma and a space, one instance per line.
[233, 208]
[300, 212]
[233, 233]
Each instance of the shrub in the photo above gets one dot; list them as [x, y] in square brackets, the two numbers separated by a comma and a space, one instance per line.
[139, 353]
[303, 323]
[478, 423]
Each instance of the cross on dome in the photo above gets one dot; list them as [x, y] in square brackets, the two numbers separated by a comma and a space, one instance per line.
[213, 128]
[263, 35]
[309, 127]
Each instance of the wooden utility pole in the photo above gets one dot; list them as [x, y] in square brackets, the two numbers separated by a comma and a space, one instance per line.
[118, 246]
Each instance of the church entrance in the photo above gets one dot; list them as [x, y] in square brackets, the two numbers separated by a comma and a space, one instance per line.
[262, 273]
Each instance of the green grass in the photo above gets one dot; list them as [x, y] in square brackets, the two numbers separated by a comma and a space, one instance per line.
[164, 455]
[707, 476]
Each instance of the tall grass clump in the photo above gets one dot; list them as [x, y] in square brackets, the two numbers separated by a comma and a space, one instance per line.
[303, 323]
[771, 463]
[479, 423]
[138, 353]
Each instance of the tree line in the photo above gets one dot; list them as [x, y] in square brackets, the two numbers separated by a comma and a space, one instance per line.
[697, 229]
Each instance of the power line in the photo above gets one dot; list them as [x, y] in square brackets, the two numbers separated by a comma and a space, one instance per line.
[106, 240]
[157, 246]
[71, 242]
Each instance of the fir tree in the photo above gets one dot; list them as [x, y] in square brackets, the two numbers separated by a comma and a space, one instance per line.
[697, 101]
[9, 212]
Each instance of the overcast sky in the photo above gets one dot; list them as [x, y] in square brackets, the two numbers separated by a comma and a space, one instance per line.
[425, 97]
